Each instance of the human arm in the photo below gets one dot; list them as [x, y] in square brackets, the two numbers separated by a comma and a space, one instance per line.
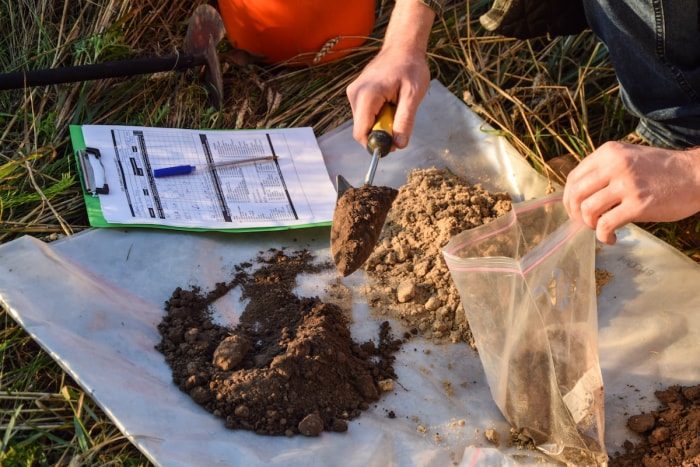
[621, 183]
[398, 74]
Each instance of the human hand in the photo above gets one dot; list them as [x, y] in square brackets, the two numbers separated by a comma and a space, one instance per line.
[392, 76]
[621, 183]
[398, 74]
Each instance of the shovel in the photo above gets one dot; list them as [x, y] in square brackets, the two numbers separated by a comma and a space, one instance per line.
[360, 213]
[204, 32]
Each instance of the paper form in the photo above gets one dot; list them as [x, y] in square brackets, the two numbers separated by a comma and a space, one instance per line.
[294, 189]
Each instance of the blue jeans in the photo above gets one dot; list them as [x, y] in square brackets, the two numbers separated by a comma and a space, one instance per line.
[654, 46]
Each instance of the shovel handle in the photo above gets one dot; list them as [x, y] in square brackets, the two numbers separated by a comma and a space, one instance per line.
[381, 137]
[115, 69]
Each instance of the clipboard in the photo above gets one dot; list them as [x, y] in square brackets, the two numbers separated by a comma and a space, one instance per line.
[88, 181]
[297, 191]
[93, 172]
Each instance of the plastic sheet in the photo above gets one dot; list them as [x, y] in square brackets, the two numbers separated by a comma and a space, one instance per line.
[93, 301]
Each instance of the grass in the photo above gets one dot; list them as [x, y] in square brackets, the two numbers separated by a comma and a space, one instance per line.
[547, 97]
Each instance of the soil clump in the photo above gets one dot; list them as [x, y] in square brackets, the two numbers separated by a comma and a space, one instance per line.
[358, 218]
[290, 365]
[669, 435]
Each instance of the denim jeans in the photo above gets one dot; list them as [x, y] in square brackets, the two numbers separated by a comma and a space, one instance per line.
[654, 46]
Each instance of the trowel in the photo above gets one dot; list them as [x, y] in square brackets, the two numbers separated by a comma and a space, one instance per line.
[360, 213]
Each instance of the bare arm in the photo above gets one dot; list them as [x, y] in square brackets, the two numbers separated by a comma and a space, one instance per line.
[398, 74]
[621, 183]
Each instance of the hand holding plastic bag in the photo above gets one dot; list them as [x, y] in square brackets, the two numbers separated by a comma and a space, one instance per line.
[527, 284]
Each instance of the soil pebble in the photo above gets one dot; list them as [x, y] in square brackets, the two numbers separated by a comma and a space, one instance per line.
[641, 423]
[311, 425]
[492, 436]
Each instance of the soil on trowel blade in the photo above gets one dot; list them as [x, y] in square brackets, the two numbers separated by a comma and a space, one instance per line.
[357, 222]
[290, 366]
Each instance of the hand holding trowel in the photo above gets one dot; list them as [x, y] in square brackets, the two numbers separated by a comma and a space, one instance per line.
[360, 212]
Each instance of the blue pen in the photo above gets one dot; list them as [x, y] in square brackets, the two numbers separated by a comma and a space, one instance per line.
[188, 169]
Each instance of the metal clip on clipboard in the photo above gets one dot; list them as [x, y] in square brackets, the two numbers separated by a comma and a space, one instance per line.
[94, 177]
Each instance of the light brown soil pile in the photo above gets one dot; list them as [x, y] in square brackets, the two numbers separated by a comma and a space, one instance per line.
[410, 278]
[290, 365]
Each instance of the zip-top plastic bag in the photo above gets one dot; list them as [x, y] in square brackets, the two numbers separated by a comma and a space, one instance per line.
[527, 285]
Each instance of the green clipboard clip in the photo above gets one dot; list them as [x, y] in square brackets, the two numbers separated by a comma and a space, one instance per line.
[94, 178]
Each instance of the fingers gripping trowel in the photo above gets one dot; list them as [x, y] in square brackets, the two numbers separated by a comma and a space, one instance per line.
[360, 212]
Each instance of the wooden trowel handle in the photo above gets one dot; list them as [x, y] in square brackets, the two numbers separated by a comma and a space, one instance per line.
[381, 138]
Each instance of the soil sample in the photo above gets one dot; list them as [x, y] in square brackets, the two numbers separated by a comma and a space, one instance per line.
[357, 222]
[290, 366]
[669, 435]
[539, 384]
[410, 279]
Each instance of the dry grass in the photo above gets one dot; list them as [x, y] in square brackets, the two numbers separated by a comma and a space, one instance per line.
[548, 97]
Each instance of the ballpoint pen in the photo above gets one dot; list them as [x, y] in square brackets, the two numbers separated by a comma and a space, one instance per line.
[188, 169]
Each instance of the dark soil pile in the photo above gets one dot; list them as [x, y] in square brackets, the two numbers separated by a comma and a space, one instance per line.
[669, 435]
[289, 366]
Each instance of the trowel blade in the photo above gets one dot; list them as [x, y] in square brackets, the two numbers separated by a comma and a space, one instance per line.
[342, 185]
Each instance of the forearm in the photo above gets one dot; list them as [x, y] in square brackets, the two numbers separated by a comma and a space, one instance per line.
[409, 28]
[398, 74]
[694, 154]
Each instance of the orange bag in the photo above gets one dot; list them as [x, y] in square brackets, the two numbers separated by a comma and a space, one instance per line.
[295, 31]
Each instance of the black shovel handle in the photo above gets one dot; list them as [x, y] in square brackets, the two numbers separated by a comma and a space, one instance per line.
[114, 69]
